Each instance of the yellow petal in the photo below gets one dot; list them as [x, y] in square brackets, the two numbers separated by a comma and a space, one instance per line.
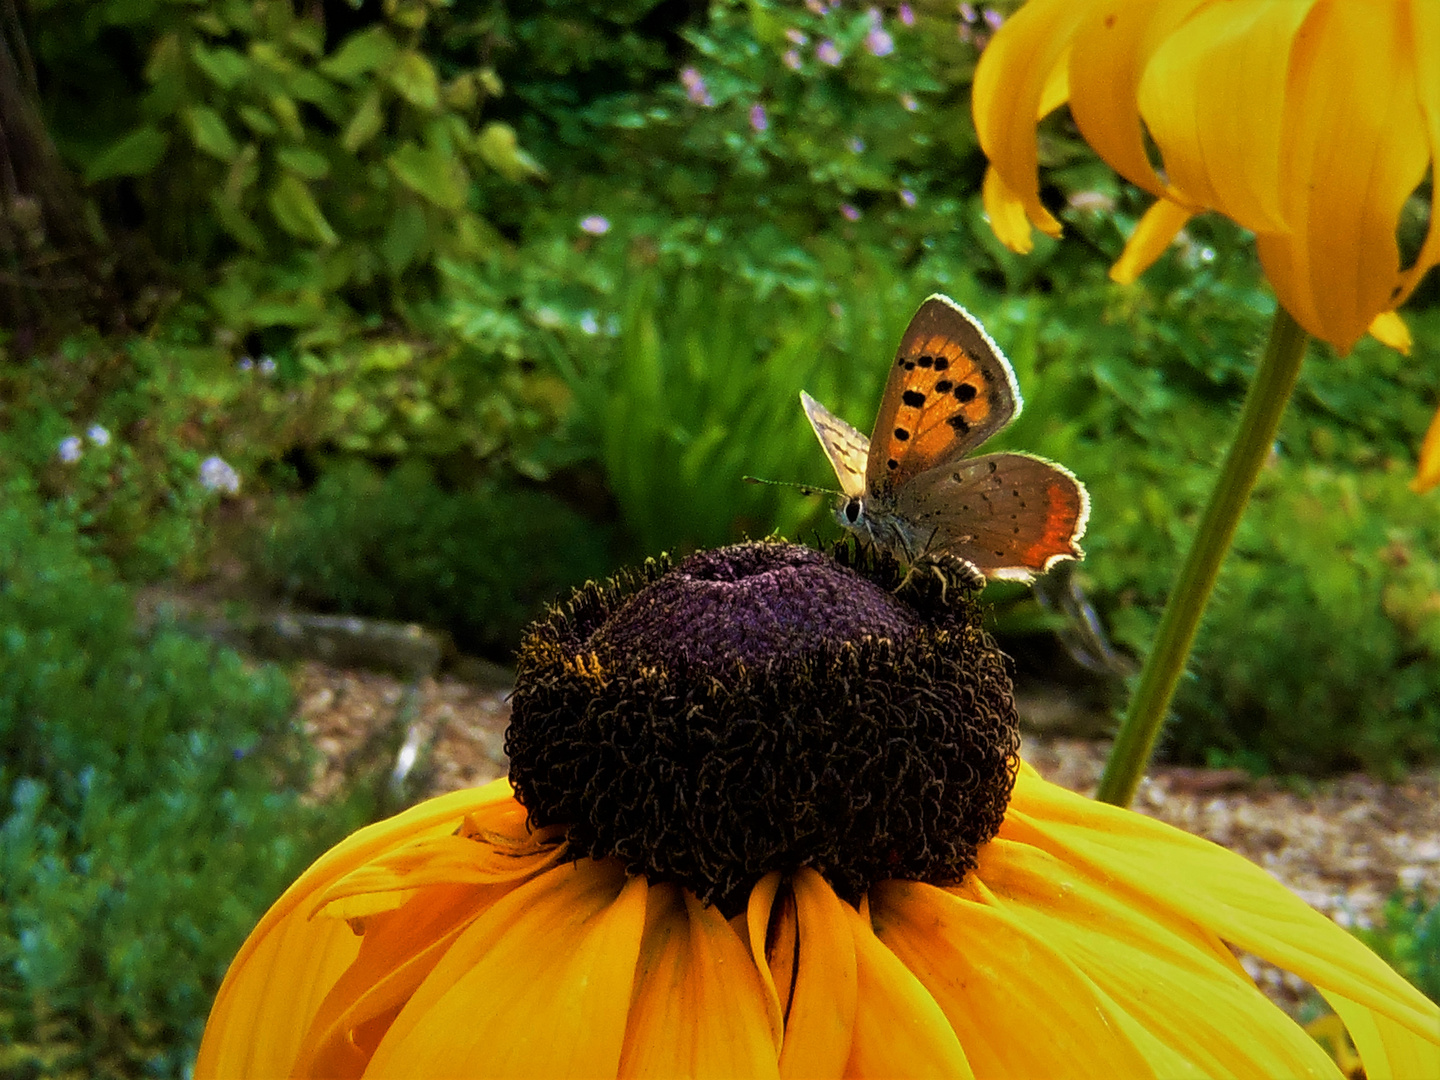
[757, 925]
[306, 957]
[1015, 76]
[822, 1007]
[699, 1005]
[1019, 1007]
[1175, 979]
[1389, 328]
[899, 1029]
[1213, 98]
[539, 985]
[1215, 889]
[1155, 232]
[1112, 47]
[1425, 34]
[1428, 474]
[399, 951]
[1006, 213]
[1387, 1050]
[1356, 148]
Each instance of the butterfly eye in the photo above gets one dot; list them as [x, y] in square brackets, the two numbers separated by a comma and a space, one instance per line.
[852, 511]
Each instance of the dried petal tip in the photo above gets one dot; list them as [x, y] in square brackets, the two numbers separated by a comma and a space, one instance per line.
[766, 707]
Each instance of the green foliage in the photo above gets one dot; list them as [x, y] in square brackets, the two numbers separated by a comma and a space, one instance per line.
[150, 813]
[310, 161]
[481, 562]
[1408, 939]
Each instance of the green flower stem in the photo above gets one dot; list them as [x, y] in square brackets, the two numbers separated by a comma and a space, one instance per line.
[1264, 406]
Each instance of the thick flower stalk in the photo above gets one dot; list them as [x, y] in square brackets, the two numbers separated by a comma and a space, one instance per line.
[766, 820]
[1309, 122]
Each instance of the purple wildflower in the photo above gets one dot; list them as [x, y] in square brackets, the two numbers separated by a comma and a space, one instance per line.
[993, 18]
[792, 59]
[98, 435]
[857, 144]
[216, 474]
[849, 212]
[797, 37]
[70, 449]
[908, 198]
[967, 12]
[595, 225]
[879, 42]
[907, 15]
[827, 52]
[758, 120]
[695, 88]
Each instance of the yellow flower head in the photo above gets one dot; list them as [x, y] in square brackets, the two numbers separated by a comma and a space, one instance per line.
[894, 895]
[1309, 122]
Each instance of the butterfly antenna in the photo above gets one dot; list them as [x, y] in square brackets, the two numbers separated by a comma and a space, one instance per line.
[804, 489]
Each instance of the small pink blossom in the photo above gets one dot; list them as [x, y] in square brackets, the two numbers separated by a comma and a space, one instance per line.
[758, 120]
[791, 59]
[849, 213]
[967, 12]
[827, 52]
[908, 100]
[907, 15]
[595, 225]
[993, 18]
[879, 42]
[695, 88]
[797, 37]
[908, 198]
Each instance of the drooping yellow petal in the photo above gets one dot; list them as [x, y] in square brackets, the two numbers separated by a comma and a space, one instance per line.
[1015, 76]
[1356, 148]
[1389, 328]
[1428, 474]
[305, 956]
[1215, 889]
[1213, 98]
[757, 925]
[1175, 979]
[821, 1016]
[555, 955]
[1112, 47]
[1006, 213]
[1017, 1004]
[699, 1005]
[1425, 38]
[1155, 232]
[899, 1029]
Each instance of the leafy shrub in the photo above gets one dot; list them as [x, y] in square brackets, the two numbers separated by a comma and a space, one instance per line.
[150, 813]
[314, 153]
[481, 562]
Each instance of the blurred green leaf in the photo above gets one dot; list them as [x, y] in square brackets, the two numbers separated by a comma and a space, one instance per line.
[133, 154]
[360, 53]
[297, 212]
[414, 78]
[428, 172]
[209, 133]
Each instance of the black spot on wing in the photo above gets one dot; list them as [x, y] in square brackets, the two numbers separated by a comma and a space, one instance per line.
[959, 423]
[965, 392]
[901, 434]
[913, 398]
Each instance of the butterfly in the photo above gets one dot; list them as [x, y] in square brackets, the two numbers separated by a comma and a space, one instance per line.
[910, 489]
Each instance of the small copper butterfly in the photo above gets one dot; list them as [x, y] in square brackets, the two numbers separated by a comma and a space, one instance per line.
[910, 489]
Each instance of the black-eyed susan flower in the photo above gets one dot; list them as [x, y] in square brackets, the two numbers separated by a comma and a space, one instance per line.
[1309, 122]
[765, 818]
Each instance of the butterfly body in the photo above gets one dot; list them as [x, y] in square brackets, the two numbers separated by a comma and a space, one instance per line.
[909, 487]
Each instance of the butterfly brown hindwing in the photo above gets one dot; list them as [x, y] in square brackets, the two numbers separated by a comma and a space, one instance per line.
[949, 390]
[1011, 515]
